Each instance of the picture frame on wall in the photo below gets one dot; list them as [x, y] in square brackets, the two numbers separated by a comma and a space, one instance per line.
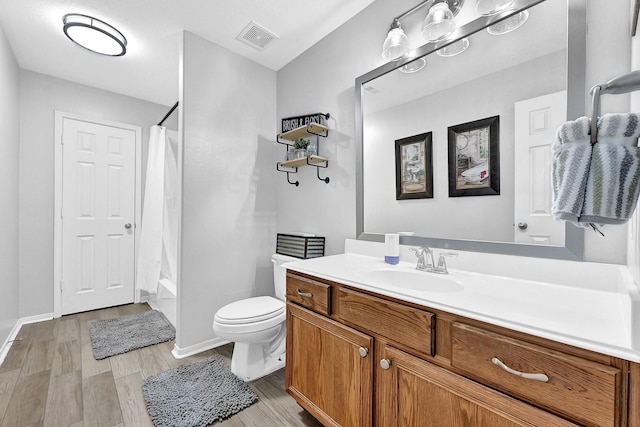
[414, 167]
[474, 158]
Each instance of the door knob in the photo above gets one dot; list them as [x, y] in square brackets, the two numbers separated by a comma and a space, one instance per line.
[363, 351]
[385, 364]
[127, 225]
[523, 225]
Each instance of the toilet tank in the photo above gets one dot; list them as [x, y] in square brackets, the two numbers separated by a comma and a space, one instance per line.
[280, 274]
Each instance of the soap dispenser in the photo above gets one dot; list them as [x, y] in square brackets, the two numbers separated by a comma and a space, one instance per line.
[392, 248]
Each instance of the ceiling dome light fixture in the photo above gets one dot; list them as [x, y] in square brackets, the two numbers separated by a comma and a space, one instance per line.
[510, 24]
[438, 24]
[396, 45]
[94, 35]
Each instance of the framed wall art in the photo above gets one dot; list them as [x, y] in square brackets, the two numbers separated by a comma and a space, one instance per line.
[474, 158]
[414, 167]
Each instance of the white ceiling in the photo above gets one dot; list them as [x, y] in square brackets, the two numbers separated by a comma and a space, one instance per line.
[149, 70]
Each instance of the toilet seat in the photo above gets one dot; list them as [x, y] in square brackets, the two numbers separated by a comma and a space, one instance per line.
[250, 310]
[249, 315]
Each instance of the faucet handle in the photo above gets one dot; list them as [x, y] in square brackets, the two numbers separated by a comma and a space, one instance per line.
[422, 252]
[419, 252]
[447, 253]
[442, 265]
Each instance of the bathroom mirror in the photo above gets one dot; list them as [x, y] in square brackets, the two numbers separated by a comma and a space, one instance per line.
[510, 76]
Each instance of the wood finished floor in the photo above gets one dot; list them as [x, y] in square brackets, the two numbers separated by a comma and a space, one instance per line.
[50, 378]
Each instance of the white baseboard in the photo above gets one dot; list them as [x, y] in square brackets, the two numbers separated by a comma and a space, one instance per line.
[4, 350]
[181, 353]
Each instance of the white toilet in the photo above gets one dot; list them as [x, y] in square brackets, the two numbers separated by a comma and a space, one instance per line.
[257, 327]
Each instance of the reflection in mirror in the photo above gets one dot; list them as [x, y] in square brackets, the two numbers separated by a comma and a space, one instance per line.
[520, 77]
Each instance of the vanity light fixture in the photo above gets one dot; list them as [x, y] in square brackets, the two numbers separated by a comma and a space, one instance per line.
[454, 48]
[396, 45]
[94, 35]
[510, 24]
[437, 25]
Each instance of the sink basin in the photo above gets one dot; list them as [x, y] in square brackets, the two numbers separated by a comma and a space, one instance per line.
[413, 279]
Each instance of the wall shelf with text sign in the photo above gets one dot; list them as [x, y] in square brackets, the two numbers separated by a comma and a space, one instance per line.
[295, 137]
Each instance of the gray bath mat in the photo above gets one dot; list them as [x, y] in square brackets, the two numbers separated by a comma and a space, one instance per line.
[196, 395]
[120, 335]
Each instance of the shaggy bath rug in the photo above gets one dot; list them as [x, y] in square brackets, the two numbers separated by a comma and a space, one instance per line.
[196, 395]
[120, 335]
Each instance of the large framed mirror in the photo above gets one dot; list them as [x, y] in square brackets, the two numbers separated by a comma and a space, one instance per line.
[531, 79]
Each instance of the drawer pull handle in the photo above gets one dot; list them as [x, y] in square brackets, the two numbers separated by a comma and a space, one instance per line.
[385, 364]
[304, 294]
[537, 377]
[363, 351]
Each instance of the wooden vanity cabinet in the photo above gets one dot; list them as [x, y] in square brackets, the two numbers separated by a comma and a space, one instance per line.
[329, 369]
[355, 358]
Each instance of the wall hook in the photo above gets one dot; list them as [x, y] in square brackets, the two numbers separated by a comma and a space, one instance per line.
[326, 180]
[297, 183]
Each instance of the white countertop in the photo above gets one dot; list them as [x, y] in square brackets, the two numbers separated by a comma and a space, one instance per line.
[597, 318]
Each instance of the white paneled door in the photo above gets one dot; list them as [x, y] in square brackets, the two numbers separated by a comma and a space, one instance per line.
[97, 215]
[536, 121]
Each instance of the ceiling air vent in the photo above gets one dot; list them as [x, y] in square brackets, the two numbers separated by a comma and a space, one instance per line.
[256, 36]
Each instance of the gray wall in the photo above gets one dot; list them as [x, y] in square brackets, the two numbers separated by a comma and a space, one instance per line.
[228, 197]
[40, 96]
[322, 79]
[9, 147]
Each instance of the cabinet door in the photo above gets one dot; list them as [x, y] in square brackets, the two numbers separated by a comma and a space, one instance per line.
[329, 369]
[413, 392]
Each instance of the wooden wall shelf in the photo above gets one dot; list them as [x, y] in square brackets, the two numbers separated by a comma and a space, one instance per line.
[306, 131]
[311, 160]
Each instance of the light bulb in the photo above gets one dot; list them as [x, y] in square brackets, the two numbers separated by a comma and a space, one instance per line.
[439, 23]
[396, 45]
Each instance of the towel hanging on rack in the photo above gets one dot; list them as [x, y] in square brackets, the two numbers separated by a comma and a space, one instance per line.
[612, 186]
[570, 168]
[596, 163]
[599, 183]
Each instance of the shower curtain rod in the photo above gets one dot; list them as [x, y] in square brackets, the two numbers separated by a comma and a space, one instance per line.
[168, 114]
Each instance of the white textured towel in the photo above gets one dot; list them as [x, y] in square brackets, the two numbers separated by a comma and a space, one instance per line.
[596, 184]
[612, 186]
[571, 156]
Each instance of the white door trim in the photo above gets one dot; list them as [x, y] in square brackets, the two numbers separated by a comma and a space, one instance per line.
[57, 204]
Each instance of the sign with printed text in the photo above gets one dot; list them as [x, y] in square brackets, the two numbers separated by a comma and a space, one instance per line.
[291, 123]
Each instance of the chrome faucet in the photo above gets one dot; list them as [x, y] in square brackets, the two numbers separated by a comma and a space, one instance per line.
[425, 258]
[426, 263]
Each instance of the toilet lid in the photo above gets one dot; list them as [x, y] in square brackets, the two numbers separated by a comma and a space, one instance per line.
[250, 310]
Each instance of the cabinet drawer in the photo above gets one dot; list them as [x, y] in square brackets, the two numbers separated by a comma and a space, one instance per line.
[575, 388]
[309, 293]
[410, 328]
